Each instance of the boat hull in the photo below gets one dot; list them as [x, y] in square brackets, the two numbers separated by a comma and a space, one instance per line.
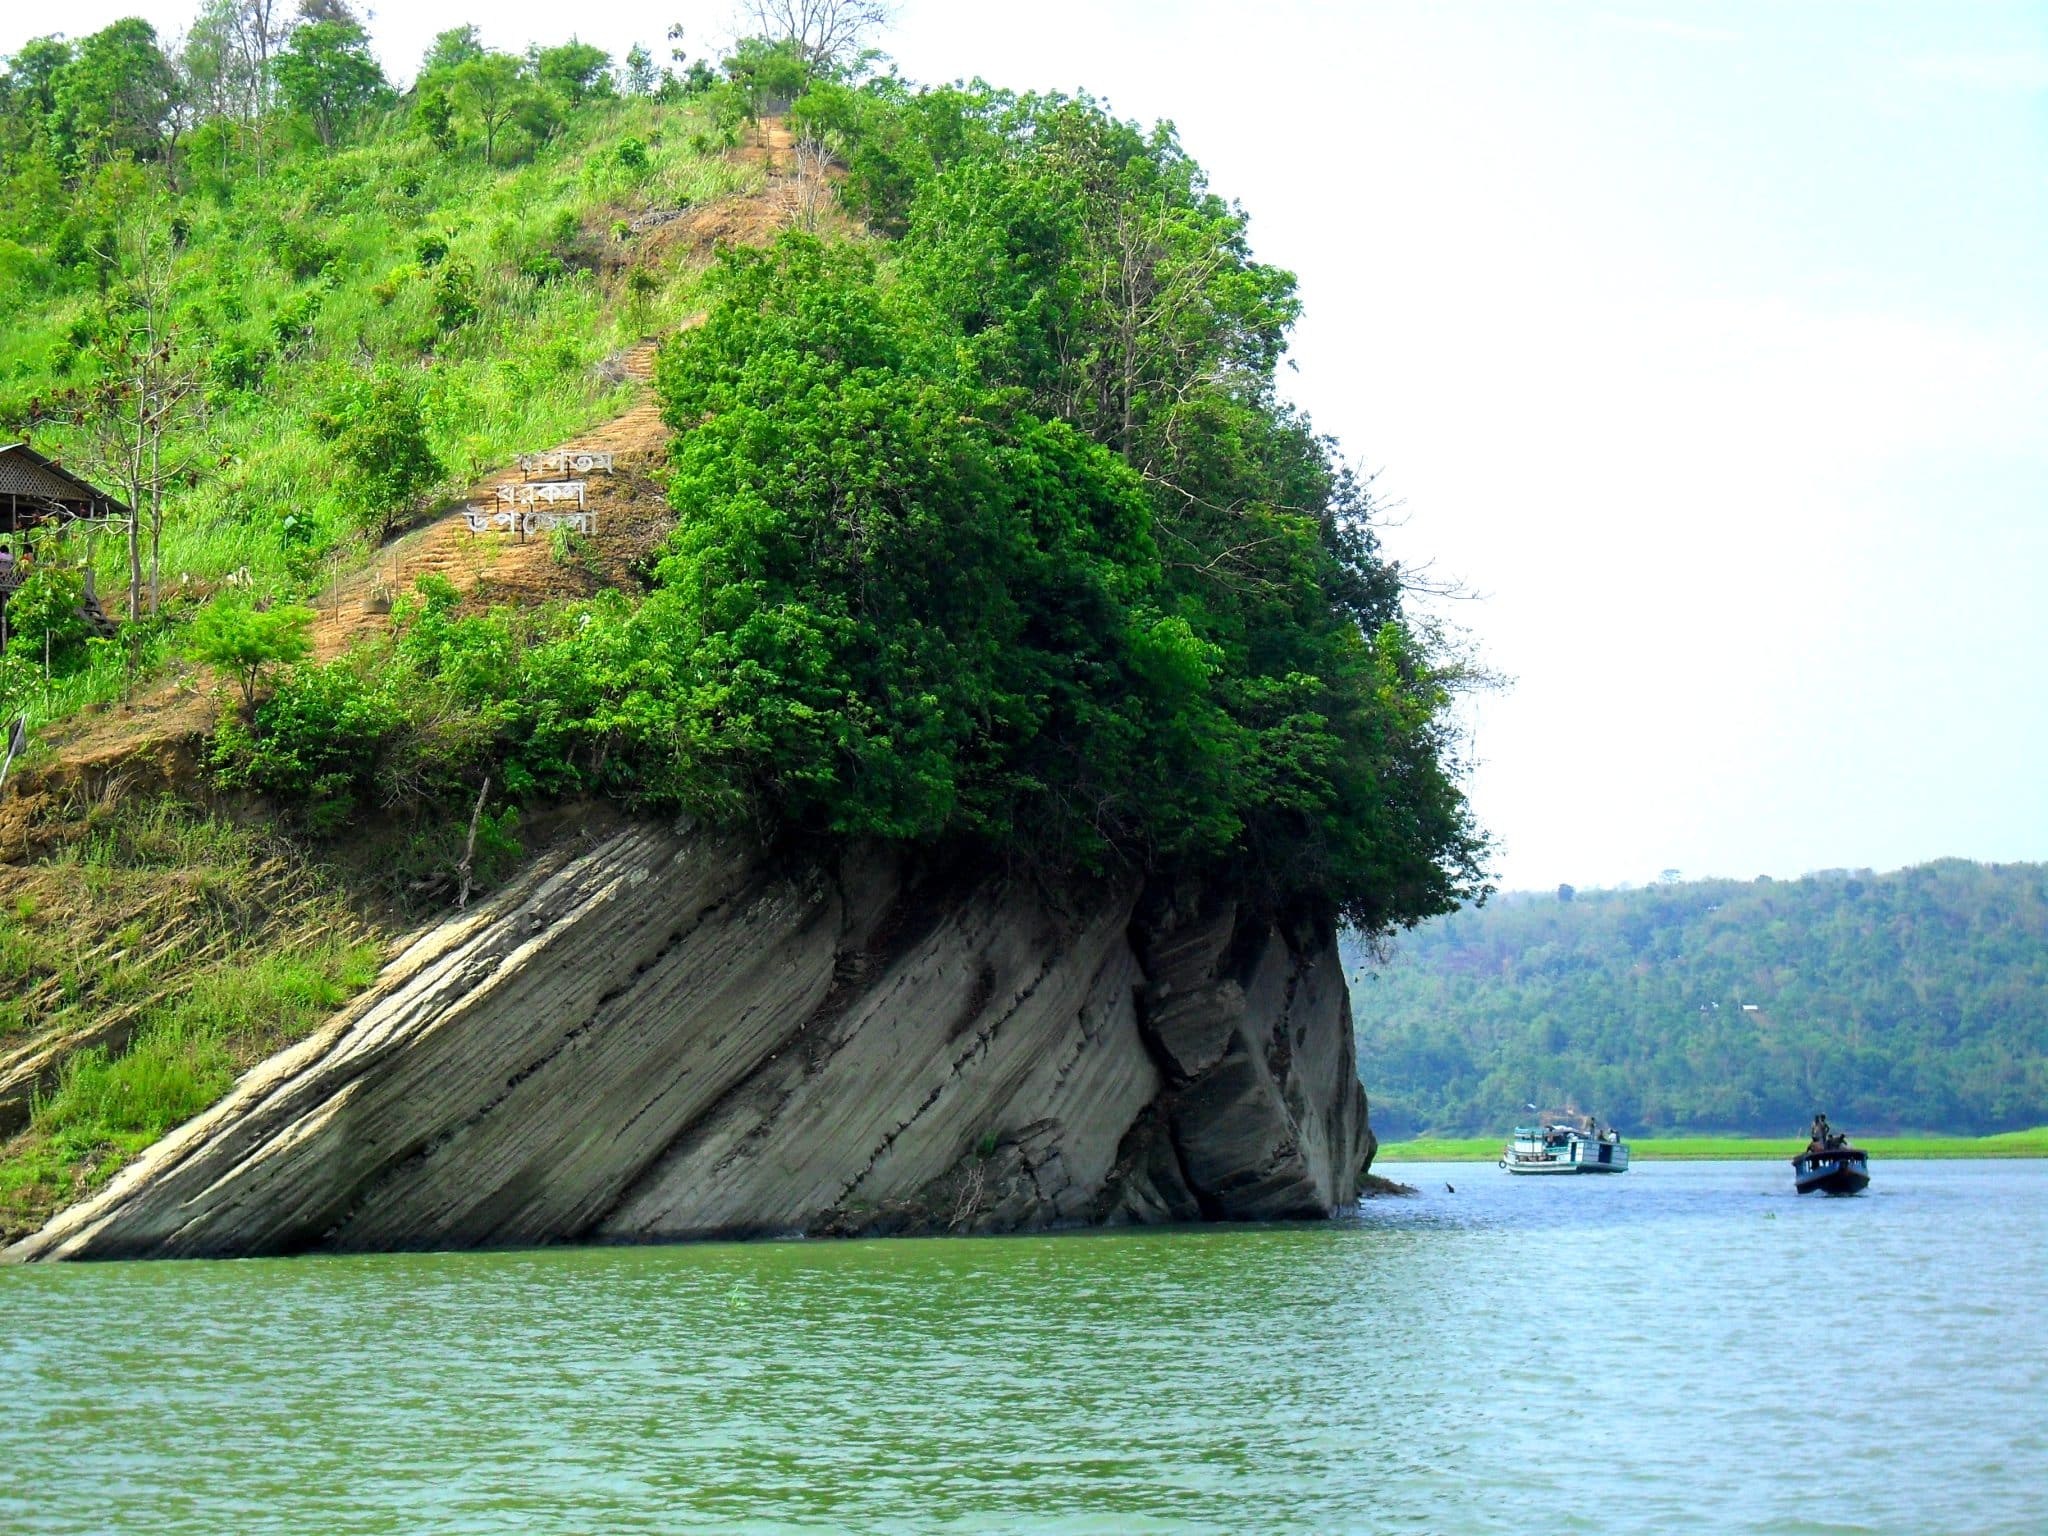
[1534, 1165]
[1559, 1165]
[1528, 1154]
[1831, 1176]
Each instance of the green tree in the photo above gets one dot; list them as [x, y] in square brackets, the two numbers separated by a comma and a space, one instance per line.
[327, 72]
[762, 72]
[575, 70]
[450, 51]
[930, 611]
[902, 589]
[641, 76]
[1898, 1002]
[435, 114]
[1087, 264]
[115, 95]
[243, 640]
[489, 87]
[382, 449]
[539, 114]
[29, 83]
[217, 85]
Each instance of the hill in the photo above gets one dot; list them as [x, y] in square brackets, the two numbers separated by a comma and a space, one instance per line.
[315, 341]
[302, 291]
[964, 521]
[1914, 1000]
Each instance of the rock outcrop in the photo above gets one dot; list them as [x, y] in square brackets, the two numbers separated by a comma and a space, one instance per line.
[670, 1036]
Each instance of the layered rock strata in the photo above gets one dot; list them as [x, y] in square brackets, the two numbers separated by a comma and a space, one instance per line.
[670, 1036]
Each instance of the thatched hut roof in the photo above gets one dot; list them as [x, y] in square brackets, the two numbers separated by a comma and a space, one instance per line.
[35, 489]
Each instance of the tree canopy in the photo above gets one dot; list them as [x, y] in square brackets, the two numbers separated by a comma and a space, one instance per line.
[1177, 642]
[113, 96]
[992, 530]
[328, 73]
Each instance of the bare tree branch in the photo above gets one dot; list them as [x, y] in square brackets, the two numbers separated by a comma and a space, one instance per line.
[825, 32]
[469, 847]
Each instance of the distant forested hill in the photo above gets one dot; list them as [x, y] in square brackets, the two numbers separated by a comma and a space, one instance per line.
[1905, 1001]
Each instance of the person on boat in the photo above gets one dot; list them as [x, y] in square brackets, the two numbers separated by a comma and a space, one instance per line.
[1820, 1131]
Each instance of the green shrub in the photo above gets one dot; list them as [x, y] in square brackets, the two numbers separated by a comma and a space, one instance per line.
[311, 746]
[431, 860]
[49, 602]
[543, 267]
[292, 325]
[300, 251]
[410, 723]
[435, 115]
[236, 363]
[381, 447]
[455, 294]
[242, 640]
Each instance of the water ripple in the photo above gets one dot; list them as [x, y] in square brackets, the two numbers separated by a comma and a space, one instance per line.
[1631, 1353]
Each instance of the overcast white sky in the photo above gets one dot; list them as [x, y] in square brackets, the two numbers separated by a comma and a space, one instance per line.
[1708, 341]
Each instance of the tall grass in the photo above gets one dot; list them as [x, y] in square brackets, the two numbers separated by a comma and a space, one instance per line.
[112, 669]
[189, 1051]
[173, 914]
[106, 1108]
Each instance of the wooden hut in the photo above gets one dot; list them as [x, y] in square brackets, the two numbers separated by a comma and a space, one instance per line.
[35, 491]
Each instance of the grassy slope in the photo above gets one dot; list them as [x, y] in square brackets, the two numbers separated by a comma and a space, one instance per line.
[1485, 1149]
[339, 236]
[194, 947]
[208, 944]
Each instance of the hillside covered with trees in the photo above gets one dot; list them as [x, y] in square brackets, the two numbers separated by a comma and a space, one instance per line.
[278, 308]
[992, 523]
[988, 530]
[1914, 1000]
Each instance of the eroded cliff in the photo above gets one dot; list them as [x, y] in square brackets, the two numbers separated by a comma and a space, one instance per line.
[668, 1035]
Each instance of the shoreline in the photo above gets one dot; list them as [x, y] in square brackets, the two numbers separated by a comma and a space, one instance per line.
[1487, 1149]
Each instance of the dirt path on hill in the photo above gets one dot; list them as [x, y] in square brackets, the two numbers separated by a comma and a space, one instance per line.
[769, 144]
[498, 567]
[151, 743]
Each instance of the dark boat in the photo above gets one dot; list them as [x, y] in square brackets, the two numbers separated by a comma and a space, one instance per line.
[1829, 1164]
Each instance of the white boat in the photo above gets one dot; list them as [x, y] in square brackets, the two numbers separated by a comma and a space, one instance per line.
[1565, 1144]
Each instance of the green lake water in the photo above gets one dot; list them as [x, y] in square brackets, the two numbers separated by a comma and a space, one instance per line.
[1688, 1347]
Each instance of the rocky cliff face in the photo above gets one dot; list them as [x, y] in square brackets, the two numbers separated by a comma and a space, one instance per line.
[667, 1036]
